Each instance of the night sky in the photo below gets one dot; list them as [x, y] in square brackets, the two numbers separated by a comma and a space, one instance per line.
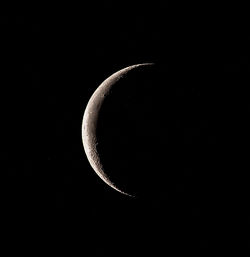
[53, 203]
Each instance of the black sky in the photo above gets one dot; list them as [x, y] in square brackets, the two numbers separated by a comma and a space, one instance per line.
[52, 200]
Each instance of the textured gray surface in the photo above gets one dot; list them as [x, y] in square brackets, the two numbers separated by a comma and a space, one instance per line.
[90, 120]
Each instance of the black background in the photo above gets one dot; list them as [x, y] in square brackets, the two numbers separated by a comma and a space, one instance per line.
[52, 201]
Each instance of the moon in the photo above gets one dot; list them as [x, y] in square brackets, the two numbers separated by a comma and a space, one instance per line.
[90, 120]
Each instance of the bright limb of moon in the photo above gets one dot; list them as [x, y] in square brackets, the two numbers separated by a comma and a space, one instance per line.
[90, 119]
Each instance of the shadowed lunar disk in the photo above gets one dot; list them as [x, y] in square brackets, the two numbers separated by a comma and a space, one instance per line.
[143, 134]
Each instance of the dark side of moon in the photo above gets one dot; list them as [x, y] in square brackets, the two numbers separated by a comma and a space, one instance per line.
[153, 138]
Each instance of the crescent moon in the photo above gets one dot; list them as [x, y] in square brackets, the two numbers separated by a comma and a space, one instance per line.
[90, 119]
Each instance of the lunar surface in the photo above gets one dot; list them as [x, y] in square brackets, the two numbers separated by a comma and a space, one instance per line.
[90, 122]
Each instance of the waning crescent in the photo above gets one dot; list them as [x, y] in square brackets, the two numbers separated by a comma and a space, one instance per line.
[90, 119]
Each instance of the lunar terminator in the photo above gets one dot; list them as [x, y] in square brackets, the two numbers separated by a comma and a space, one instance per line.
[90, 120]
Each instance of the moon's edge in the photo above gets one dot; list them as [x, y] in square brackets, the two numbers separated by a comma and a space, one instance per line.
[89, 141]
